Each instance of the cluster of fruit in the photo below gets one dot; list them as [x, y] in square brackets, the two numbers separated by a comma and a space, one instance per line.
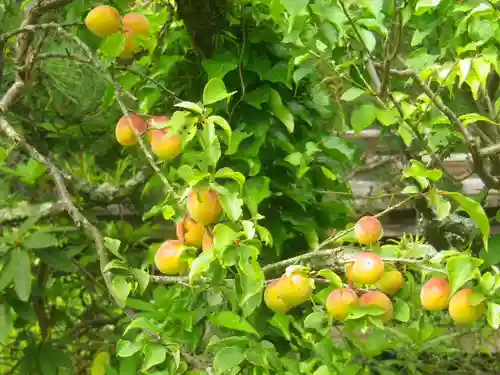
[163, 145]
[104, 20]
[204, 208]
[295, 286]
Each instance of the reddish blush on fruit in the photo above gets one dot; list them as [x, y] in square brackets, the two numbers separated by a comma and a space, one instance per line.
[435, 294]
[124, 133]
[368, 230]
[338, 302]
[368, 268]
[378, 299]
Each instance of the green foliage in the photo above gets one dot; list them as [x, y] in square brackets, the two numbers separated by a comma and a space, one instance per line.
[260, 102]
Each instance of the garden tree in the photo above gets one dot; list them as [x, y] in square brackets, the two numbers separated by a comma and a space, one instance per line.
[233, 113]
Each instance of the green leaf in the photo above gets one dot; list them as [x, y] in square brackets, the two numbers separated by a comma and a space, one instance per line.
[5, 322]
[295, 158]
[230, 320]
[281, 111]
[425, 6]
[22, 275]
[229, 173]
[116, 264]
[219, 67]
[141, 323]
[335, 279]
[493, 315]
[191, 175]
[40, 240]
[113, 45]
[228, 358]
[351, 94]
[201, 264]
[121, 288]
[167, 212]
[461, 269]
[294, 7]
[282, 322]
[7, 273]
[232, 205]
[224, 236]
[316, 320]
[142, 278]
[215, 91]
[368, 39]
[125, 348]
[221, 121]
[401, 311]
[154, 354]
[475, 211]
[100, 363]
[190, 106]
[363, 116]
[471, 118]
[255, 191]
[359, 311]
[113, 245]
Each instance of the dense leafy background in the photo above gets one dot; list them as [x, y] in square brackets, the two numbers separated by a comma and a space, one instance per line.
[261, 92]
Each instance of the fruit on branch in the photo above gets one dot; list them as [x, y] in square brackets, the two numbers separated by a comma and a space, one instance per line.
[391, 282]
[136, 23]
[208, 242]
[204, 206]
[368, 268]
[435, 294]
[295, 286]
[368, 230]
[103, 20]
[462, 311]
[348, 272]
[338, 302]
[168, 258]
[273, 299]
[124, 133]
[377, 298]
[190, 232]
[163, 145]
[129, 48]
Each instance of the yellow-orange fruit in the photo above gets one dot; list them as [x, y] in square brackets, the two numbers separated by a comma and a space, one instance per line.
[338, 302]
[137, 23]
[391, 282]
[435, 294]
[130, 46]
[368, 268]
[124, 133]
[460, 309]
[378, 299]
[190, 232]
[168, 258]
[166, 147]
[273, 299]
[368, 230]
[204, 206]
[208, 242]
[348, 272]
[295, 287]
[103, 20]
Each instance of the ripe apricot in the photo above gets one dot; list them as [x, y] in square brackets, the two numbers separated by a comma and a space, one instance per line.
[295, 287]
[124, 133]
[367, 230]
[348, 272]
[462, 311]
[165, 146]
[391, 282]
[368, 268]
[130, 46]
[190, 232]
[435, 294]
[208, 242]
[378, 299]
[272, 298]
[137, 23]
[168, 258]
[204, 206]
[339, 301]
[103, 20]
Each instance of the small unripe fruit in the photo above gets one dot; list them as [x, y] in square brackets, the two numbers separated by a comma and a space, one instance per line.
[168, 258]
[461, 310]
[378, 299]
[368, 230]
[339, 301]
[295, 287]
[190, 232]
[204, 206]
[391, 282]
[103, 20]
[273, 299]
[208, 242]
[124, 133]
[368, 268]
[435, 294]
[137, 23]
